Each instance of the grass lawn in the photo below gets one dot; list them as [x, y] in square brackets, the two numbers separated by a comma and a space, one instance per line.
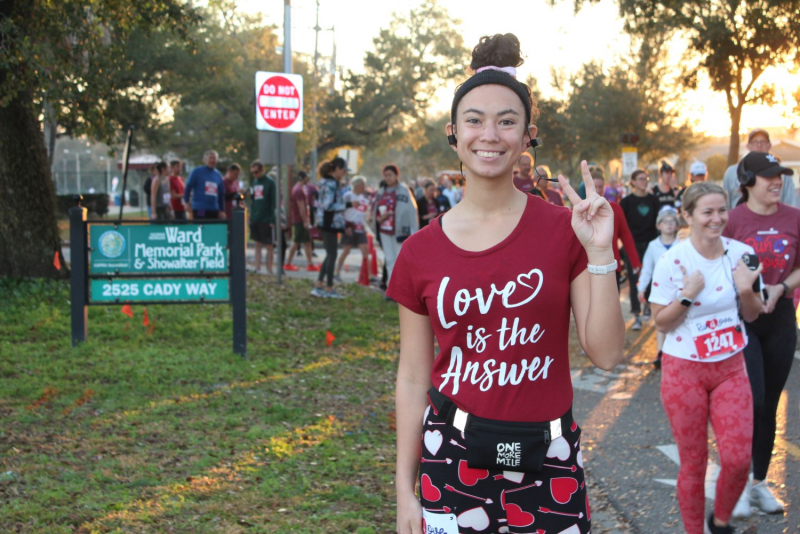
[164, 429]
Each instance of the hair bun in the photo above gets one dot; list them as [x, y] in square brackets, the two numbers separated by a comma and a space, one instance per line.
[499, 50]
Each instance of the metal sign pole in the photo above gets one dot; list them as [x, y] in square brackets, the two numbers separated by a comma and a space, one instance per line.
[278, 228]
[78, 285]
[238, 283]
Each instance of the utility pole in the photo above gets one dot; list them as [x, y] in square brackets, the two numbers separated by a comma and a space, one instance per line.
[314, 154]
[333, 60]
[287, 68]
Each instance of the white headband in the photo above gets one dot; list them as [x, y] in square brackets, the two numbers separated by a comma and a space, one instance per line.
[508, 70]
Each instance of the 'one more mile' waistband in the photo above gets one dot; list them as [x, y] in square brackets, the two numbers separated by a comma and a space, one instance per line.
[458, 417]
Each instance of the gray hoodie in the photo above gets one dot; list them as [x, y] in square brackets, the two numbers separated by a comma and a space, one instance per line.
[406, 221]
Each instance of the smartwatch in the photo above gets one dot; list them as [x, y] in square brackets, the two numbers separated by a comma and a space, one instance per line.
[686, 301]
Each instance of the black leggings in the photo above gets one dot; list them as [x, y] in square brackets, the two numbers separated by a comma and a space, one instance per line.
[330, 240]
[641, 248]
[769, 352]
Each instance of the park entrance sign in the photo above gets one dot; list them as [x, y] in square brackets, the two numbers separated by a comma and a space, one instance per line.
[140, 262]
[279, 102]
[158, 248]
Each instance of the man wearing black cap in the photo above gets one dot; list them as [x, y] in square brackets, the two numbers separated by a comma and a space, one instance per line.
[757, 141]
[665, 190]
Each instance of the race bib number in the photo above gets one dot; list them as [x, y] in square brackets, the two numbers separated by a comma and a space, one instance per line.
[717, 334]
[166, 198]
[211, 189]
[438, 523]
[258, 192]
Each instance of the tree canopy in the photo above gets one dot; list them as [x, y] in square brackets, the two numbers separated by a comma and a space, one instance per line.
[732, 42]
[65, 60]
[412, 58]
[597, 104]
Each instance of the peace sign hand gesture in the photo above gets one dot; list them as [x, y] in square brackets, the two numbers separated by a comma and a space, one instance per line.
[592, 218]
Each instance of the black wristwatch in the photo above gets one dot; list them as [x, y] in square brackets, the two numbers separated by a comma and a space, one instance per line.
[686, 301]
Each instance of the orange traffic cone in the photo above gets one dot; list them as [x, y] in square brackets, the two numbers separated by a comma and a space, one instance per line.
[126, 310]
[374, 257]
[363, 276]
[329, 338]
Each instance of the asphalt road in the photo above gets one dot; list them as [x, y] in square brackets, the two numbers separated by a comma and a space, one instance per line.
[632, 459]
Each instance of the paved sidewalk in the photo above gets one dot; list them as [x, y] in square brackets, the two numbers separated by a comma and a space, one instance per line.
[350, 269]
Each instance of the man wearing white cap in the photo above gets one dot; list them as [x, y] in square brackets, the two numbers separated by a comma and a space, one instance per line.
[757, 141]
[698, 172]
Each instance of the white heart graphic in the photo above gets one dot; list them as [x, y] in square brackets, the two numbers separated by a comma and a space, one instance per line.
[571, 530]
[513, 476]
[475, 518]
[580, 459]
[520, 282]
[433, 441]
[559, 448]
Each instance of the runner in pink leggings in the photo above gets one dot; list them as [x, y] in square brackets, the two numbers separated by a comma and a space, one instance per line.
[702, 291]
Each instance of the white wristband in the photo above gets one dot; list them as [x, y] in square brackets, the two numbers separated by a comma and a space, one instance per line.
[602, 269]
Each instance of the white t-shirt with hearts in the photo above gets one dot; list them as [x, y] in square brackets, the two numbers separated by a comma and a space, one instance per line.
[714, 307]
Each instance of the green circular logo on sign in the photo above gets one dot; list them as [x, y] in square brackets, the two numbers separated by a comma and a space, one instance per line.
[112, 244]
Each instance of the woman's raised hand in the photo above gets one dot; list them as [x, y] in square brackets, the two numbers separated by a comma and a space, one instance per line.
[592, 217]
[693, 283]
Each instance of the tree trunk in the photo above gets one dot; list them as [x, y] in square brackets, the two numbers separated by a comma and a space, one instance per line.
[733, 148]
[29, 236]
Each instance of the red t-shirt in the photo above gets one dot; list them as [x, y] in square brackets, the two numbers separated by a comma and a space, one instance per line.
[554, 197]
[524, 184]
[176, 186]
[231, 186]
[774, 238]
[388, 202]
[298, 194]
[501, 316]
[623, 233]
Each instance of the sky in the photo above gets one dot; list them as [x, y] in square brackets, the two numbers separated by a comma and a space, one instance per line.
[550, 37]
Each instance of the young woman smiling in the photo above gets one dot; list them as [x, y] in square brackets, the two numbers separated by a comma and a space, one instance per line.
[485, 426]
[773, 230]
[702, 291]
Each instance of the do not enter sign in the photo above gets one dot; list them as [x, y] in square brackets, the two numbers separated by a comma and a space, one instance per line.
[279, 102]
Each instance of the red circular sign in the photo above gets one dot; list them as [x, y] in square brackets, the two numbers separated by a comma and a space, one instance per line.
[279, 102]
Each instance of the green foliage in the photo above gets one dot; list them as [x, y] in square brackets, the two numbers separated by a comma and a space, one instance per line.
[209, 83]
[717, 164]
[72, 55]
[432, 154]
[412, 57]
[600, 105]
[732, 41]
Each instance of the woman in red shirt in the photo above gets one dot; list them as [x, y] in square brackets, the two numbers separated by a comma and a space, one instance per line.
[773, 230]
[485, 426]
